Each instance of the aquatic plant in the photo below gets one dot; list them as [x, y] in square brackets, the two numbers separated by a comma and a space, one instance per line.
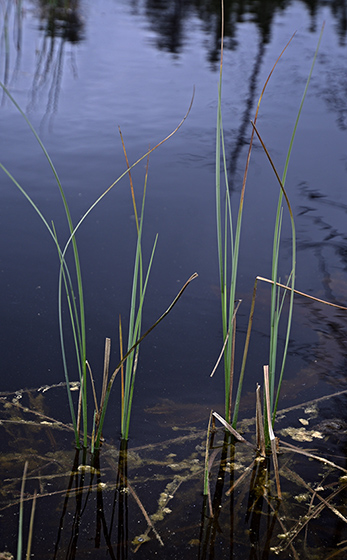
[138, 292]
[75, 297]
[228, 244]
[276, 302]
[227, 247]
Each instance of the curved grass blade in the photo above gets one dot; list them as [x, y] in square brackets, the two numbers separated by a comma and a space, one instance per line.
[275, 316]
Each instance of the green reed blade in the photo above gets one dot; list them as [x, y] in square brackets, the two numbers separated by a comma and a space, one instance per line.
[137, 331]
[275, 260]
[135, 322]
[77, 313]
[62, 260]
[53, 235]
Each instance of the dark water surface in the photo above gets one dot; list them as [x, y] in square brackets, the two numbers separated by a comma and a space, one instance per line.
[100, 64]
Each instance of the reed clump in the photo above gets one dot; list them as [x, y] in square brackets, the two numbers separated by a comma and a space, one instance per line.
[228, 247]
[76, 305]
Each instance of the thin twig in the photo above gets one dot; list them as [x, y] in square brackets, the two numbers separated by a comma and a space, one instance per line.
[301, 293]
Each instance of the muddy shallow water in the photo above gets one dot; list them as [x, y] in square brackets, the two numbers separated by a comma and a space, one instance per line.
[78, 74]
[148, 499]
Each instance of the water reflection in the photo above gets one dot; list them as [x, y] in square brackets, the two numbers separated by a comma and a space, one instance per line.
[10, 30]
[168, 20]
[338, 9]
[85, 480]
[61, 18]
[102, 501]
[60, 23]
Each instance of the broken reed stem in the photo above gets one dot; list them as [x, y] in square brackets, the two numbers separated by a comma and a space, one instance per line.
[105, 373]
[206, 473]
[79, 408]
[294, 449]
[232, 430]
[122, 366]
[232, 361]
[271, 432]
[259, 423]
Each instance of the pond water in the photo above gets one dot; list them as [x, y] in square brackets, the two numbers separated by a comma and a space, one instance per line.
[85, 69]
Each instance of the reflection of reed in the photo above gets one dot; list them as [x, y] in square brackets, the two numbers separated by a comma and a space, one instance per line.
[61, 23]
[81, 491]
[12, 18]
[121, 495]
[61, 18]
[258, 488]
[210, 528]
[83, 482]
[241, 141]
[49, 67]
[101, 525]
[168, 19]
[257, 507]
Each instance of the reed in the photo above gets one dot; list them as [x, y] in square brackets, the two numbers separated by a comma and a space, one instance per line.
[227, 246]
[138, 292]
[228, 243]
[276, 300]
[75, 298]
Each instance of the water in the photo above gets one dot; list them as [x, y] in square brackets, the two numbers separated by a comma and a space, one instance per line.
[135, 65]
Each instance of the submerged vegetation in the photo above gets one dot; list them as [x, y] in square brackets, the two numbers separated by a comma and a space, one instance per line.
[149, 497]
[235, 460]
